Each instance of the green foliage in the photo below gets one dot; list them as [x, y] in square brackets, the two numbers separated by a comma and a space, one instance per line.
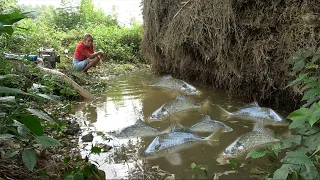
[66, 25]
[302, 150]
[26, 121]
[29, 158]
[47, 141]
[257, 153]
[8, 19]
[201, 171]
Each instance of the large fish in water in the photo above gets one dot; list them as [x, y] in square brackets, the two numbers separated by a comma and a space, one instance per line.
[140, 129]
[253, 112]
[178, 105]
[168, 82]
[206, 124]
[168, 145]
[259, 137]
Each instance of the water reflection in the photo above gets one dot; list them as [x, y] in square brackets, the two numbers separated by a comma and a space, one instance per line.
[126, 102]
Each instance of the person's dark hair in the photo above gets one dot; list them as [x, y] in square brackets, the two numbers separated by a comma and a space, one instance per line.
[86, 36]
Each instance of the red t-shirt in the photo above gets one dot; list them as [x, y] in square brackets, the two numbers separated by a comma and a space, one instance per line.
[82, 50]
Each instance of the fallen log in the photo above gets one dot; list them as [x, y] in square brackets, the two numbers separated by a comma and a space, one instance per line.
[84, 93]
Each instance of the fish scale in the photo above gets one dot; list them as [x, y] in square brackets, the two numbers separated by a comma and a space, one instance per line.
[208, 125]
[166, 145]
[139, 129]
[255, 113]
[178, 105]
[257, 138]
[168, 82]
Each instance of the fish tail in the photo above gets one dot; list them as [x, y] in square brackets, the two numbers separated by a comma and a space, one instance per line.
[225, 114]
[144, 84]
[205, 105]
[212, 138]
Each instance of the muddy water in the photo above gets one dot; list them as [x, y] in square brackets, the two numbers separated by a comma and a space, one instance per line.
[126, 101]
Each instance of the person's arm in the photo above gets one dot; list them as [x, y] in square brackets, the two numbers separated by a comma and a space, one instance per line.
[91, 56]
[86, 53]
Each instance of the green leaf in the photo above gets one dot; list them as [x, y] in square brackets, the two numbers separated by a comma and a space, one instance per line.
[311, 94]
[298, 66]
[276, 148]
[29, 158]
[193, 165]
[311, 85]
[292, 140]
[309, 171]
[300, 114]
[12, 17]
[33, 124]
[298, 158]
[311, 142]
[257, 153]
[53, 98]
[66, 160]
[6, 90]
[317, 150]
[22, 129]
[300, 55]
[47, 141]
[234, 163]
[315, 116]
[306, 129]
[301, 78]
[282, 173]
[96, 150]
[10, 154]
[76, 176]
[41, 114]
[4, 137]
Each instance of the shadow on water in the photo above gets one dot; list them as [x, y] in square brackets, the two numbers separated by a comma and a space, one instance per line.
[127, 101]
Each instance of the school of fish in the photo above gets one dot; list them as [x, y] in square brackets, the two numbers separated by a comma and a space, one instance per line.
[176, 138]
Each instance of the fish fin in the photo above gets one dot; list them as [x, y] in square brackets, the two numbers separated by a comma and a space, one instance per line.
[261, 128]
[225, 114]
[174, 159]
[206, 118]
[253, 104]
[181, 97]
[174, 119]
[167, 77]
[144, 85]
[205, 105]
[168, 129]
[212, 138]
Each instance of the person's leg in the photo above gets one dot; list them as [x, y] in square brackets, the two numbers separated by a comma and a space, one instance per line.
[92, 62]
[80, 65]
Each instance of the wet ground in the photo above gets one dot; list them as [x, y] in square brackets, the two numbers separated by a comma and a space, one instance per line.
[127, 100]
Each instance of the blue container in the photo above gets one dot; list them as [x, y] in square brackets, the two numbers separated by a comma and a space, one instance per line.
[32, 57]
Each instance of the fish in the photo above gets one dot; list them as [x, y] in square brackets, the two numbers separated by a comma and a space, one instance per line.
[169, 145]
[206, 124]
[259, 137]
[140, 129]
[253, 112]
[178, 105]
[168, 82]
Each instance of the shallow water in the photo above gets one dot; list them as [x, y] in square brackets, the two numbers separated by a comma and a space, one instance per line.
[126, 101]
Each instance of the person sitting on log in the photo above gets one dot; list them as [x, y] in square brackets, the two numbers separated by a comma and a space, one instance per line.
[84, 56]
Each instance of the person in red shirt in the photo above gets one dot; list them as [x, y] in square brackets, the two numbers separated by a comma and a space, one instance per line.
[84, 56]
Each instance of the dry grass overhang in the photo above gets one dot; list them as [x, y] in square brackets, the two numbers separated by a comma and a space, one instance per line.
[238, 45]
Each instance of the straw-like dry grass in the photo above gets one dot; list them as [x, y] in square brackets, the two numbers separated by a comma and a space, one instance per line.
[238, 45]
